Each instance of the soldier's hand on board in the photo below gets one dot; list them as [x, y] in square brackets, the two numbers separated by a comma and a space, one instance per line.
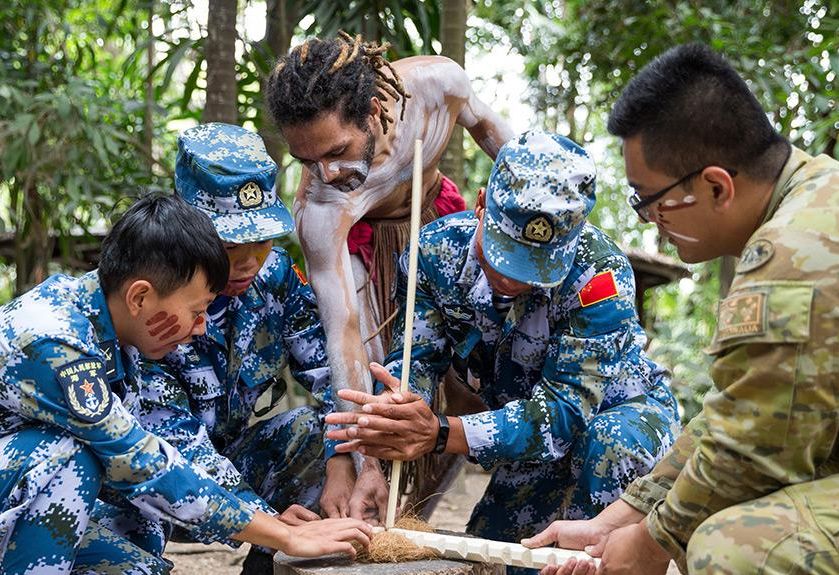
[572, 566]
[326, 536]
[369, 497]
[570, 534]
[297, 515]
[338, 487]
[631, 550]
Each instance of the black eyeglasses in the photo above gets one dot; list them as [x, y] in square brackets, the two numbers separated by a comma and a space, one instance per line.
[641, 203]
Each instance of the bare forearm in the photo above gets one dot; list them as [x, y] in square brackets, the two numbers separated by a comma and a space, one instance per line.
[340, 463]
[264, 530]
[323, 232]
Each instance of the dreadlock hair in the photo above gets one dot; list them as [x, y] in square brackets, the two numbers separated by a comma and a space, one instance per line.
[693, 109]
[338, 74]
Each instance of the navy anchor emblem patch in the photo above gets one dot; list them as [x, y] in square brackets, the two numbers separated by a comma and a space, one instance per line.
[83, 383]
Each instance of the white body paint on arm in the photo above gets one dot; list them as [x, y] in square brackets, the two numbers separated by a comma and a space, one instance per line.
[440, 97]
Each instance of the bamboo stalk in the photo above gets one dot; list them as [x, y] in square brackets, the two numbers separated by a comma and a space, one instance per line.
[416, 203]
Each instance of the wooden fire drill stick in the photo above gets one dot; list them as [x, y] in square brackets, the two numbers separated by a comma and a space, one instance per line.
[416, 196]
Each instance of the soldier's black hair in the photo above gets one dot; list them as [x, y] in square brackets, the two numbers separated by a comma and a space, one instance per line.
[341, 74]
[163, 240]
[692, 109]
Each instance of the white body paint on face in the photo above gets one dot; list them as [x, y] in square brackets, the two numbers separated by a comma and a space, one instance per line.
[671, 206]
[679, 236]
[358, 171]
[441, 96]
[676, 203]
[358, 167]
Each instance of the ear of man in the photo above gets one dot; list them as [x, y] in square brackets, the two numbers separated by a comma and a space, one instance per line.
[481, 203]
[375, 107]
[721, 185]
[137, 296]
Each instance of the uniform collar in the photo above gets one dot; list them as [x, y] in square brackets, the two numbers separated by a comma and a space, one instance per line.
[95, 307]
[796, 160]
[242, 323]
[471, 268]
[215, 334]
[253, 297]
[473, 279]
[479, 292]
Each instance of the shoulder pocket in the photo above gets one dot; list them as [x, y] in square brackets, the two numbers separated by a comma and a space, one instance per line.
[601, 317]
[764, 312]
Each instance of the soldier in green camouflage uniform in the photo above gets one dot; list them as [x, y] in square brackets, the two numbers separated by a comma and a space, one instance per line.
[751, 486]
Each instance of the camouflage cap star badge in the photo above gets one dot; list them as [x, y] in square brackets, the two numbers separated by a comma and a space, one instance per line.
[250, 195]
[225, 171]
[539, 194]
[538, 230]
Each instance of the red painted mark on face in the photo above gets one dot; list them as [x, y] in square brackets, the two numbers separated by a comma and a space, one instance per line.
[157, 318]
[172, 331]
[165, 325]
[199, 321]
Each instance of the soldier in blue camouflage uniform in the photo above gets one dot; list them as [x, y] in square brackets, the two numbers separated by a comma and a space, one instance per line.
[262, 327]
[537, 305]
[67, 386]
[751, 485]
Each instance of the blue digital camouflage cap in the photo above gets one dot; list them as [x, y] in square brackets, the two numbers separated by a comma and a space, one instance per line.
[226, 171]
[539, 193]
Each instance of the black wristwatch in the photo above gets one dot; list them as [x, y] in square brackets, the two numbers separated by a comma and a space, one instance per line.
[442, 434]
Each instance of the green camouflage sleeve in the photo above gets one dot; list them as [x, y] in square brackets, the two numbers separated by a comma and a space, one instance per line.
[646, 491]
[772, 419]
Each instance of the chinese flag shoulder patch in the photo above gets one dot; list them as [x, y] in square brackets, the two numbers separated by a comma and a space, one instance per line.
[300, 275]
[600, 287]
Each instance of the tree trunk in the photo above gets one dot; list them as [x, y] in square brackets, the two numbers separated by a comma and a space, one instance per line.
[148, 111]
[370, 28]
[454, 46]
[32, 242]
[281, 17]
[221, 63]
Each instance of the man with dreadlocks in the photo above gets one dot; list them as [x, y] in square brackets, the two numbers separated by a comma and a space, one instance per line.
[351, 118]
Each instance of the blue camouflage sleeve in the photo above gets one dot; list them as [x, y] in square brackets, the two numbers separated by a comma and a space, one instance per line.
[430, 348]
[165, 412]
[590, 358]
[306, 341]
[68, 389]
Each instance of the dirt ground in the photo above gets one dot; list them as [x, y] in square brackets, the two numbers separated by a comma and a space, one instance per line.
[452, 513]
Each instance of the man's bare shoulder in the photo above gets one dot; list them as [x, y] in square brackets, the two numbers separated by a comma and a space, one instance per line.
[415, 67]
[429, 77]
[404, 65]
